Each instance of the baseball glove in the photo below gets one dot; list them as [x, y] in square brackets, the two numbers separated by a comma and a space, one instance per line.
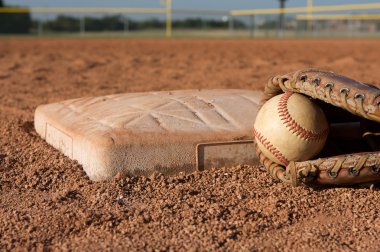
[351, 153]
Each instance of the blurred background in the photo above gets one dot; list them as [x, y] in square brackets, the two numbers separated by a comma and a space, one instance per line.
[196, 18]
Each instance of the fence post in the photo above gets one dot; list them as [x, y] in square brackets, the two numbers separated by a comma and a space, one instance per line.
[40, 27]
[310, 21]
[82, 26]
[231, 24]
[126, 24]
[315, 28]
[168, 18]
[251, 25]
[280, 32]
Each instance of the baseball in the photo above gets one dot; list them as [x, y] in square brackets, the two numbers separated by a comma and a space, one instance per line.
[290, 127]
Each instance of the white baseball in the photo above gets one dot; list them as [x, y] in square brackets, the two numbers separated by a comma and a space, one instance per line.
[290, 127]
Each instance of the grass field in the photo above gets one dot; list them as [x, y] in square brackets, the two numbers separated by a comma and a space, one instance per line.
[204, 33]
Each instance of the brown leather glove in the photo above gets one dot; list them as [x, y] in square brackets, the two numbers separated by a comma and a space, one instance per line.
[351, 154]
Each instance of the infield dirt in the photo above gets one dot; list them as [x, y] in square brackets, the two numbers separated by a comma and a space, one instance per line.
[47, 202]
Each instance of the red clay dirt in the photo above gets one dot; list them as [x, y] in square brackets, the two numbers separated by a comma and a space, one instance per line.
[47, 202]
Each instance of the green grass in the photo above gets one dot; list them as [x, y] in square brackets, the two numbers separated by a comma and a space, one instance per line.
[204, 33]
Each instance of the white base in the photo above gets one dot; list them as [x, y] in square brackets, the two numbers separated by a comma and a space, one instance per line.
[139, 133]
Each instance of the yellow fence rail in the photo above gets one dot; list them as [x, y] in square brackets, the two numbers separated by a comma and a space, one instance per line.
[83, 10]
[109, 10]
[340, 17]
[309, 9]
[168, 11]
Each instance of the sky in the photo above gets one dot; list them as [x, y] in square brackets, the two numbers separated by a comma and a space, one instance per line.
[177, 4]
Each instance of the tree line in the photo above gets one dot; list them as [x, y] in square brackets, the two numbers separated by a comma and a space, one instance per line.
[119, 22]
[14, 23]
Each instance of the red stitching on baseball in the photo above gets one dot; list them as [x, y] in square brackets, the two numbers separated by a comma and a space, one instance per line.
[292, 125]
[267, 144]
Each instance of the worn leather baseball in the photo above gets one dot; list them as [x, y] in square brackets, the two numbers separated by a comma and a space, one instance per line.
[290, 127]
